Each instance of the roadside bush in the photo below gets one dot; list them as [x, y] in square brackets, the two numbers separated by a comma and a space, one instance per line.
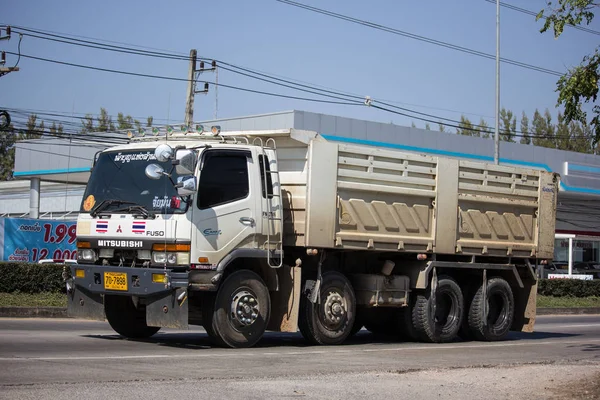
[569, 287]
[31, 278]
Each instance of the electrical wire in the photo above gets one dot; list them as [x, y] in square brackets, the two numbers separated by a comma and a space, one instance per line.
[221, 63]
[170, 78]
[178, 56]
[348, 99]
[19, 50]
[419, 37]
[533, 13]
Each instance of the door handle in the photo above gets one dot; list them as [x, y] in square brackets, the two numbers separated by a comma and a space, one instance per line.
[247, 220]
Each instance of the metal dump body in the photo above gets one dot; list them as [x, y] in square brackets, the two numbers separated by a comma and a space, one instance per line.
[346, 196]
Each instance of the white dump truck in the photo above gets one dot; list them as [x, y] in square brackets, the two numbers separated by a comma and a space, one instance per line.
[285, 230]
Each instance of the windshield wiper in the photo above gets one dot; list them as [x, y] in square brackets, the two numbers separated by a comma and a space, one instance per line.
[105, 203]
[139, 208]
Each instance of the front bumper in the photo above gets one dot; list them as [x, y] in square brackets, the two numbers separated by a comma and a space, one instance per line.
[166, 303]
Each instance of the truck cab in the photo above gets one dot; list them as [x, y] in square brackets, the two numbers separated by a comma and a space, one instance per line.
[163, 216]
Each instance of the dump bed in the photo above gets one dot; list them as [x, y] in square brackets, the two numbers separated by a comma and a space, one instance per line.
[348, 196]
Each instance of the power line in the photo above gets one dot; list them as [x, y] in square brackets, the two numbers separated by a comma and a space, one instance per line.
[75, 115]
[533, 13]
[165, 54]
[170, 78]
[348, 99]
[419, 37]
[99, 45]
[79, 37]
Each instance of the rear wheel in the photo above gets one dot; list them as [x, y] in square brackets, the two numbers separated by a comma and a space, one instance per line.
[127, 319]
[239, 313]
[439, 322]
[331, 321]
[501, 309]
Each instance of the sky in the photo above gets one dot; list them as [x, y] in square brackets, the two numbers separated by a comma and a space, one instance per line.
[293, 44]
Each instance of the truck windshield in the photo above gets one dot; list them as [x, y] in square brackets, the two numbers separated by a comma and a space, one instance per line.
[119, 184]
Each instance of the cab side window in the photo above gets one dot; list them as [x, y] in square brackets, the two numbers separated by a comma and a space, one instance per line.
[224, 178]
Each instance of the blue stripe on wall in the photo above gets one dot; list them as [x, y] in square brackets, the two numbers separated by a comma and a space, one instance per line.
[458, 154]
[584, 168]
[51, 171]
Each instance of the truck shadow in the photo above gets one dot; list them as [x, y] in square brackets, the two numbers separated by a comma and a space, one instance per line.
[201, 341]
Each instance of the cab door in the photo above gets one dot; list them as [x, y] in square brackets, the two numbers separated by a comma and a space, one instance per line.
[225, 215]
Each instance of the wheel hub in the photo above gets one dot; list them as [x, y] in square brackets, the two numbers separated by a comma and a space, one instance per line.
[244, 308]
[335, 309]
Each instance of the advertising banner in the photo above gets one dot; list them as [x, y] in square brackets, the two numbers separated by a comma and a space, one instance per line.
[31, 240]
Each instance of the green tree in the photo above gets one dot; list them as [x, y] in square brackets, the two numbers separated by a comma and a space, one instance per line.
[441, 127]
[486, 130]
[56, 129]
[8, 138]
[508, 125]
[580, 137]
[87, 123]
[149, 121]
[465, 127]
[525, 138]
[580, 84]
[32, 130]
[563, 134]
[427, 126]
[124, 122]
[105, 123]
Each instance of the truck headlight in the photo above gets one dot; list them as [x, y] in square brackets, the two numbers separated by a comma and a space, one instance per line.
[178, 258]
[171, 258]
[159, 257]
[171, 254]
[86, 255]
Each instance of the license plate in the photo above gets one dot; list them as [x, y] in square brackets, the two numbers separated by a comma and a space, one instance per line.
[115, 281]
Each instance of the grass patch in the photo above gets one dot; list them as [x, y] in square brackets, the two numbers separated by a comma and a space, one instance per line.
[44, 299]
[567, 302]
[47, 299]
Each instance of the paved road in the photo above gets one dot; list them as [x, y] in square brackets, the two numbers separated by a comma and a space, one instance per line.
[44, 357]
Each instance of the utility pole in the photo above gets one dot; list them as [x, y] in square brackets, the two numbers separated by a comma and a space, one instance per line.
[5, 70]
[191, 88]
[193, 73]
[497, 124]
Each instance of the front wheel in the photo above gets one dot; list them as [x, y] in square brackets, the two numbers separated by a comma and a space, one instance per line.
[127, 319]
[239, 314]
[331, 321]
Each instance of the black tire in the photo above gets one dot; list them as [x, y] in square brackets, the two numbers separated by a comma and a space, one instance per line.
[242, 292]
[126, 319]
[316, 325]
[465, 332]
[501, 311]
[406, 330]
[443, 326]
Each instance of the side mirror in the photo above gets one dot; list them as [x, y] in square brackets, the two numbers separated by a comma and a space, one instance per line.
[186, 185]
[186, 161]
[163, 152]
[154, 171]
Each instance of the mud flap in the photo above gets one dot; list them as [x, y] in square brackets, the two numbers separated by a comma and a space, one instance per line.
[84, 304]
[168, 309]
[285, 303]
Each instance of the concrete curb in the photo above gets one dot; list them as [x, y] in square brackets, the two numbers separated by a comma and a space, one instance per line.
[33, 312]
[61, 312]
[568, 311]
